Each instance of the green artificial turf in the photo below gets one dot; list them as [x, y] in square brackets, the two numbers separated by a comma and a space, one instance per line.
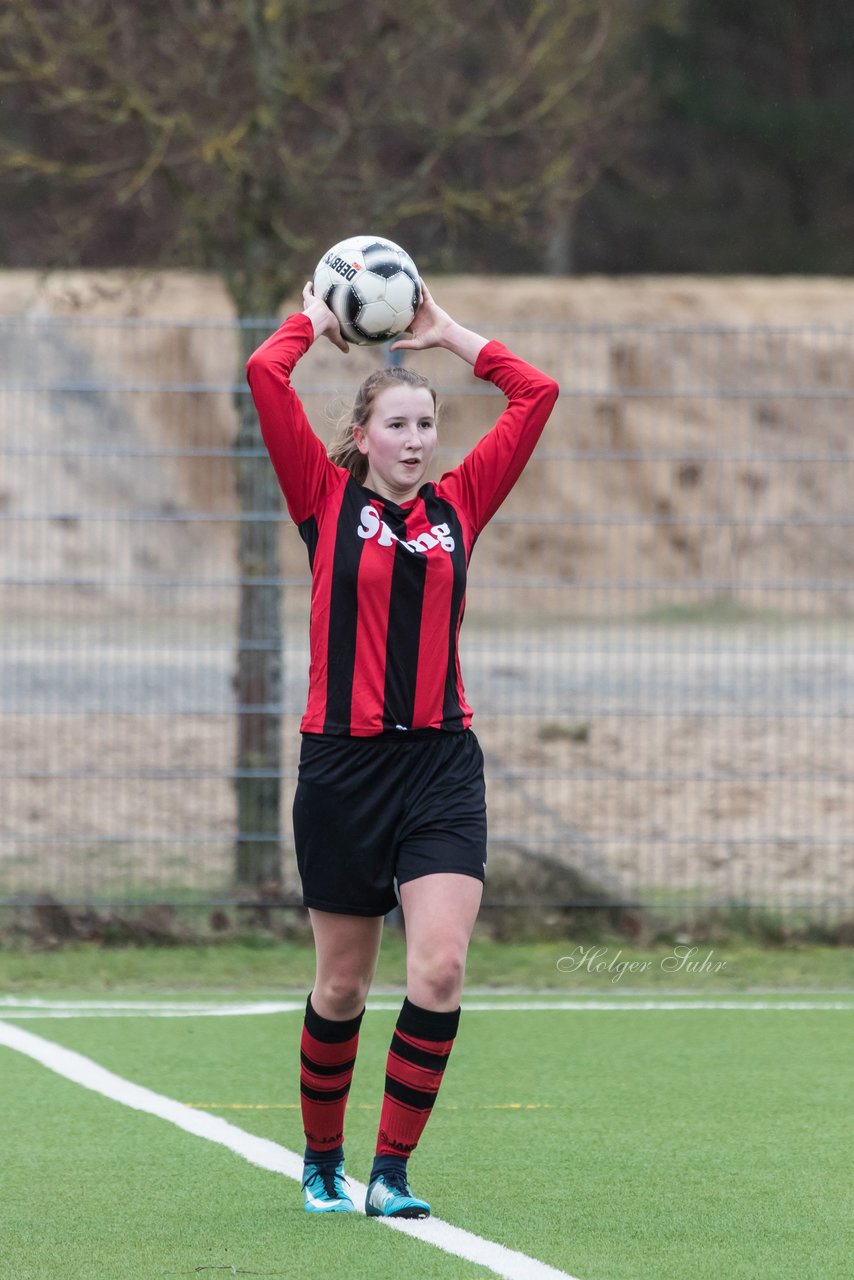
[613, 1145]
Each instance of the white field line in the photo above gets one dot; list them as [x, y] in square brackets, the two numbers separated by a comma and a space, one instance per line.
[507, 1263]
[19, 1008]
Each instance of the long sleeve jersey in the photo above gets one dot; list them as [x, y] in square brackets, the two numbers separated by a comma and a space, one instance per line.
[388, 581]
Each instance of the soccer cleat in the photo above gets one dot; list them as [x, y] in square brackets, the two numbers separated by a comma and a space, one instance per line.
[389, 1196]
[325, 1190]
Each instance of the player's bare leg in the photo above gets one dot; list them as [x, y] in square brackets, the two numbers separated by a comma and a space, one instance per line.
[439, 912]
[346, 949]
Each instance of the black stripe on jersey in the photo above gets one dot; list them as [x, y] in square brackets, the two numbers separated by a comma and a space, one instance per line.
[309, 534]
[403, 637]
[451, 710]
[343, 615]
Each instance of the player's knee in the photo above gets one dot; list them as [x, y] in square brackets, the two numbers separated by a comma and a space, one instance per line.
[341, 996]
[438, 981]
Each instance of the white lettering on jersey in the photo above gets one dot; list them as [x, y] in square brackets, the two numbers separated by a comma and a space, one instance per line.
[372, 525]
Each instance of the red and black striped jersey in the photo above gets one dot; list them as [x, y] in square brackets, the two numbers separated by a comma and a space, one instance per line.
[389, 581]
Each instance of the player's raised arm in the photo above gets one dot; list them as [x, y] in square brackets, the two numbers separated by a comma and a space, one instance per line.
[484, 478]
[297, 454]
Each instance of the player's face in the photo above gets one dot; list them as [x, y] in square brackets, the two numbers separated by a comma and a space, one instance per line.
[398, 440]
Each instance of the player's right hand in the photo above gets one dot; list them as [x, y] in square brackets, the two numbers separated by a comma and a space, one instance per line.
[324, 322]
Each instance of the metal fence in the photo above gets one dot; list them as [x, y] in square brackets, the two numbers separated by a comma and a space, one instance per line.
[657, 641]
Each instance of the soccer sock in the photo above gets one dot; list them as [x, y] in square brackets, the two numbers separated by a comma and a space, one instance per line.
[327, 1058]
[417, 1058]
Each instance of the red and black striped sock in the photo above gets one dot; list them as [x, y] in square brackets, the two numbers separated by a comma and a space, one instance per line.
[419, 1052]
[327, 1058]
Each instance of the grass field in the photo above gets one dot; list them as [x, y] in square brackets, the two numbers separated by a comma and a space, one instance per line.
[621, 1138]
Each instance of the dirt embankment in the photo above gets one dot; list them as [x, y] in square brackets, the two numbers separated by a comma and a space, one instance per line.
[694, 445]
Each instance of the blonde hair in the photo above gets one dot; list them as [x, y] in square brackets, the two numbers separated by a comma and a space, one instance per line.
[343, 450]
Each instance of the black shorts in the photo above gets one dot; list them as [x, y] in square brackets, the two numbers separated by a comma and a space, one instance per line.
[369, 812]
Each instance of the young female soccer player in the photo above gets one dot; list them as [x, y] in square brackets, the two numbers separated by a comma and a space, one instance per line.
[390, 798]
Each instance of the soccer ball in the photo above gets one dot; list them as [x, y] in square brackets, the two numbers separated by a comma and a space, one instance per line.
[371, 286]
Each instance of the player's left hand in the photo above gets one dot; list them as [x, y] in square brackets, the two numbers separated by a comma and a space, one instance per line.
[429, 326]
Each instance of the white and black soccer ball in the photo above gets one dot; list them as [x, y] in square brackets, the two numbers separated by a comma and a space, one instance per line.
[372, 287]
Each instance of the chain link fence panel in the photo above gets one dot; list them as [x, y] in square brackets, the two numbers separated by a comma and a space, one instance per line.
[657, 642]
